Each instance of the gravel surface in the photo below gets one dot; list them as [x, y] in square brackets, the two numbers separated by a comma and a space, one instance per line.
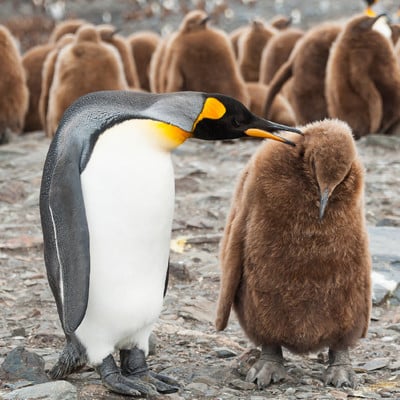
[206, 363]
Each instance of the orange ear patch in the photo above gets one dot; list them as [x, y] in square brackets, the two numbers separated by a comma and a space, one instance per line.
[212, 109]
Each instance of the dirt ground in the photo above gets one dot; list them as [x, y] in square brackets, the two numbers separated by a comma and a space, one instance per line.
[206, 363]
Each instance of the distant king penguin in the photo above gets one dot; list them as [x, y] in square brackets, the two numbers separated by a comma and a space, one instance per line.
[106, 204]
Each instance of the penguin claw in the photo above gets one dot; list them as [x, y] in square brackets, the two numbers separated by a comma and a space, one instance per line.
[341, 376]
[155, 380]
[263, 373]
[119, 384]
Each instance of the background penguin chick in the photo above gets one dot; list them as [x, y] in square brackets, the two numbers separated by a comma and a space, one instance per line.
[306, 67]
[47, 78]
[157, 74]
[363, 78]
[200, 58]
[84, 66]
[65, 27]
[277, 51]
[250, 46]
[234, 37]
[33, 61]
[108, 34]
[142, 45]
[298, 273]
[14, 95]
[281, 111]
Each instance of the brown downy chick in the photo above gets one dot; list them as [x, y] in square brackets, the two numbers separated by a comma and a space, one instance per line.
[294, 256]
[47, 78]
[280, 112]
[277, 52]
[108, 34]
[65, 27]
[200, 58]
[33, 61]
[306, 67]
[143, 44]
[14, 94]
[250, 47]
[86, 65]
[363, 77]
[234, 37]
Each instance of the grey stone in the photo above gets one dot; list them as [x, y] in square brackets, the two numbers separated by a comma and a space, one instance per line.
[21, 364]
[376, 364]
[57, 390]
[224, 352]
[243, 385]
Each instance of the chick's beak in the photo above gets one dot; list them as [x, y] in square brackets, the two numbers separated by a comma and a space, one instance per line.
[323, 202]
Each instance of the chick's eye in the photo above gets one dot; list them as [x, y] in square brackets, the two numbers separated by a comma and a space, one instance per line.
[235, 123]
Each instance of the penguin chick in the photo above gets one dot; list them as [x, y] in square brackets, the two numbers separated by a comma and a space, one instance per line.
[86, 65]
[250, 47]
[47, 79]
[106, 204]
[142, 45]
[65, 27]
[361, 88]
[14, 95]
[298, 275]
[200, 58]
[157, 73]
[306, 67]
[235, 35]
[33, 61]
[108, 34]
[281, 111]
[277, 52]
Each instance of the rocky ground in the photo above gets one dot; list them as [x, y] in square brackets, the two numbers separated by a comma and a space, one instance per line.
[208, 365]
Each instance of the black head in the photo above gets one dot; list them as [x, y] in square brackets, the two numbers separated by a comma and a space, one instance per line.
[223, 117]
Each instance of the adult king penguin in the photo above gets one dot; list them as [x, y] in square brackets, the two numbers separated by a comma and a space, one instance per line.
[106, 204]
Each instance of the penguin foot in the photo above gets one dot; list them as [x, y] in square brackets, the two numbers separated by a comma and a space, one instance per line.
[72, 359]
[134, 366]
[269, 368]
[340, 373]
[113, 380]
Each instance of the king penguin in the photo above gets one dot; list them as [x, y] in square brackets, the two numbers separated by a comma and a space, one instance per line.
[106, 205]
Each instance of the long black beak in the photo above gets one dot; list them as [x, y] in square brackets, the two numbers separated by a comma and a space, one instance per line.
[323, 203]
[265, 128]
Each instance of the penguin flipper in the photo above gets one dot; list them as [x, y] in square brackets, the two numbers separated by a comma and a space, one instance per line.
[66, 239]
[231, 256]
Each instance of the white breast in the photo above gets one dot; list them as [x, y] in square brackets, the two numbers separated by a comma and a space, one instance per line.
[128, 190]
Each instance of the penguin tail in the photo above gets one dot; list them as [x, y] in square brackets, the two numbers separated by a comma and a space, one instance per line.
[72, 358]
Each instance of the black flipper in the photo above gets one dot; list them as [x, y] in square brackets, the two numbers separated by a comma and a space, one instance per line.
[66, 236]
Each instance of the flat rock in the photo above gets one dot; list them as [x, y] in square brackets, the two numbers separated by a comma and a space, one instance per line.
[57, 390]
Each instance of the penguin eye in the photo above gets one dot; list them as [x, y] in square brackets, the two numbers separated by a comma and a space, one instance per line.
[235, 123]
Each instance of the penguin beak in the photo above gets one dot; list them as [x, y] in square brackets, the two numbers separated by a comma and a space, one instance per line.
[323, 202]
[205, 20]
[266, 127]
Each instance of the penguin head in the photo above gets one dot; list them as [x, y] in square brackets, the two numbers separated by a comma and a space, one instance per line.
[329, 153]
[195, 20]
[223, 117]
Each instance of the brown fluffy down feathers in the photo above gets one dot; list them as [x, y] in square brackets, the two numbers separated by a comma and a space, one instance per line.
[14, 95]
[84, 66]
[201, 58]
[363, 79]
[293, 279]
